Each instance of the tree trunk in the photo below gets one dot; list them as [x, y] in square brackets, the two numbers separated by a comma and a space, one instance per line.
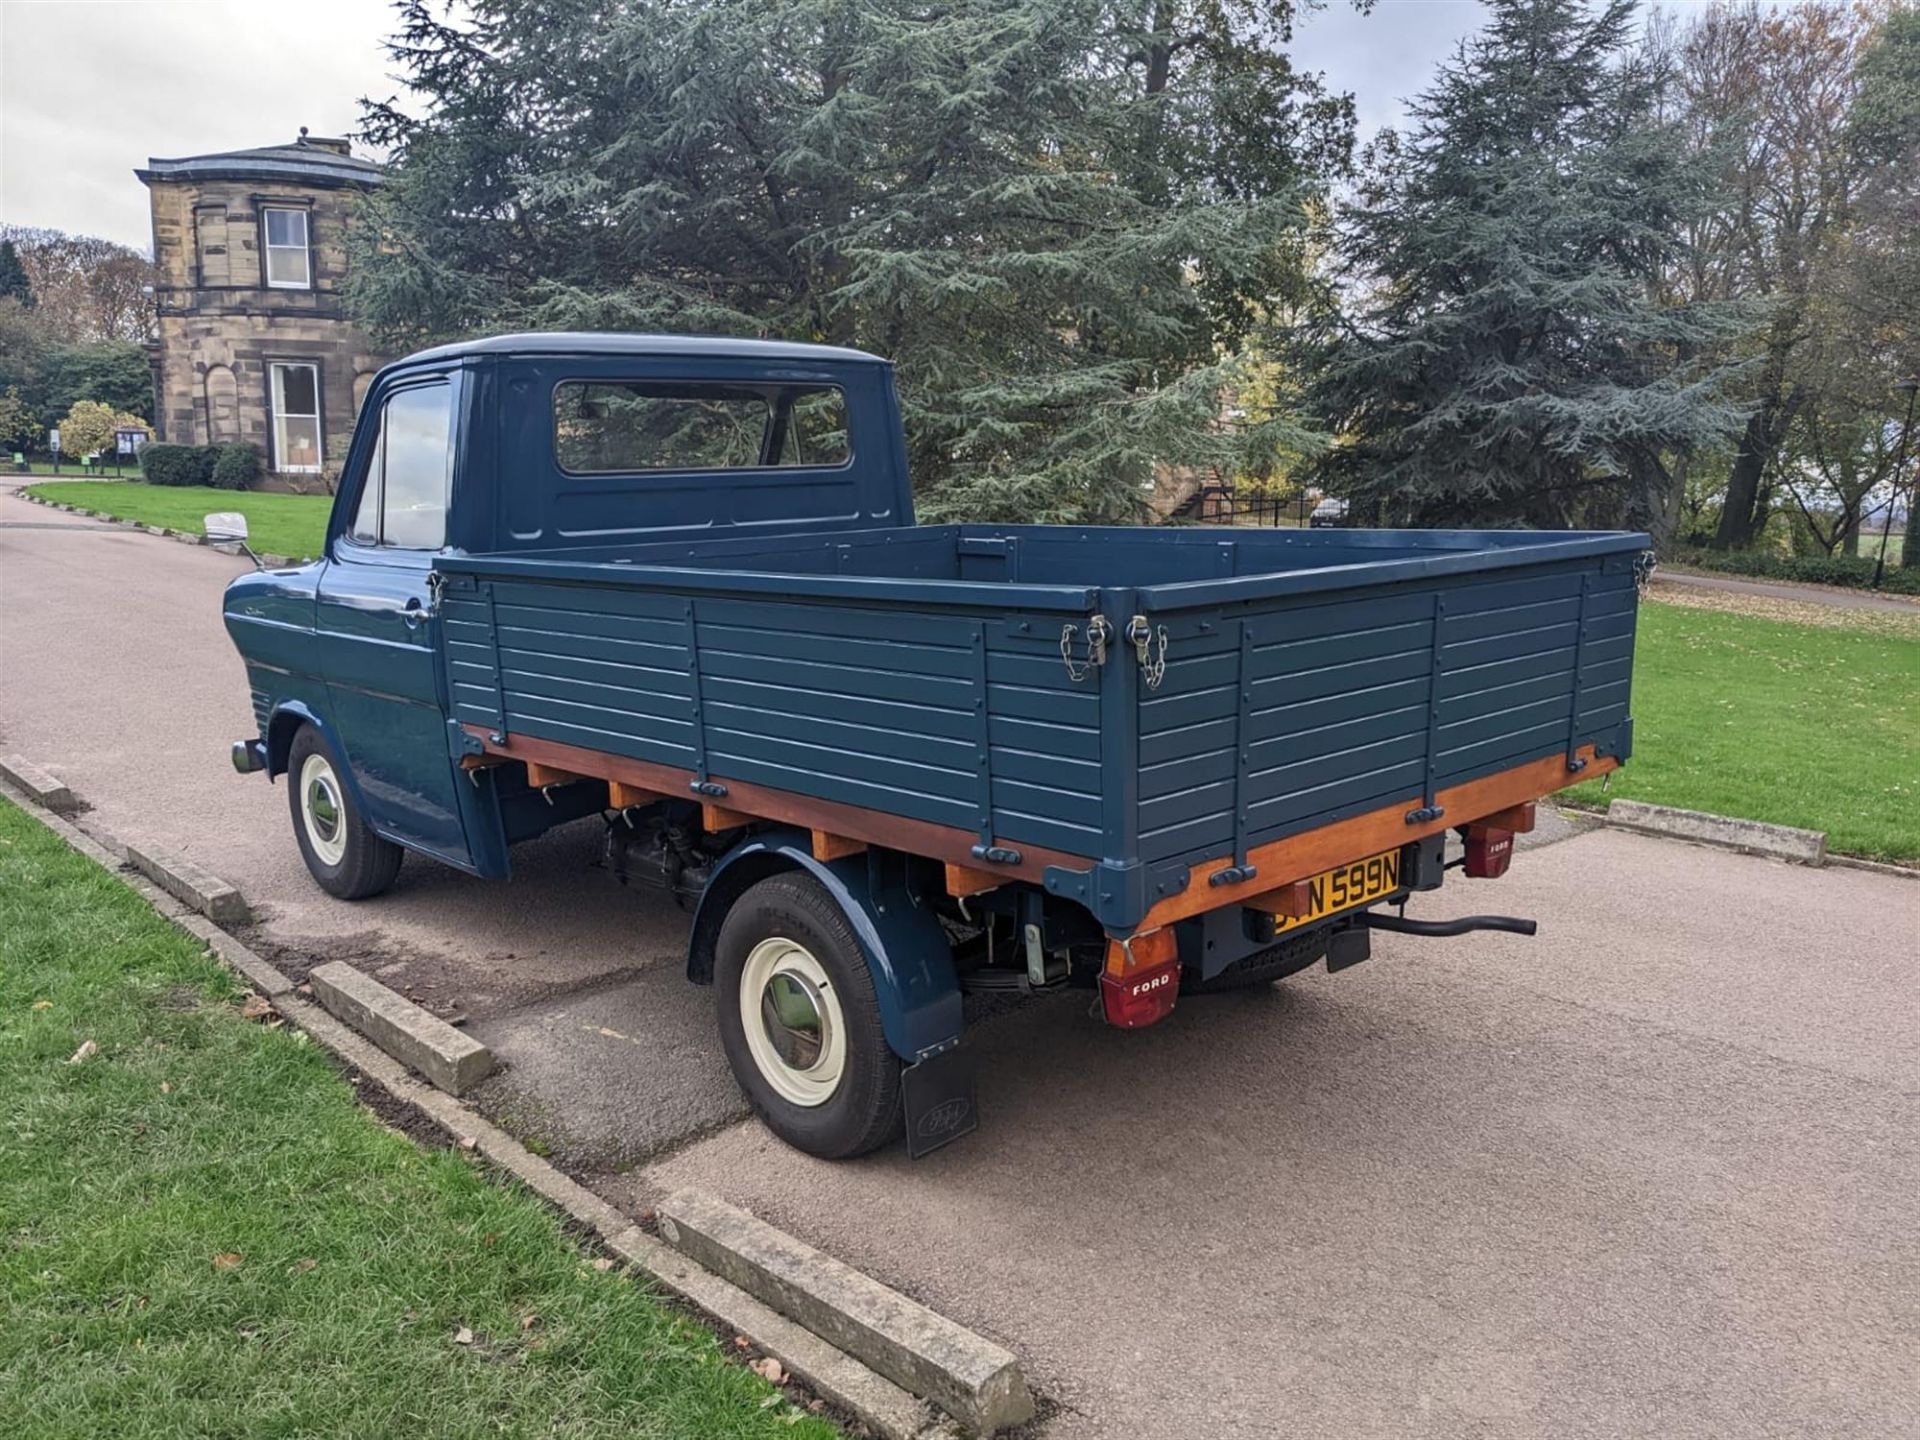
[1910, 555]
[1737, 520]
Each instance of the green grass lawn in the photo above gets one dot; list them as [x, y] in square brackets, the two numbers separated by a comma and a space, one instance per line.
[277, 524]
[1804, 725]
[203, 1233]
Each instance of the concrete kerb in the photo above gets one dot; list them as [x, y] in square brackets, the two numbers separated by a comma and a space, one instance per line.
[209, 894]
[836, 1376]
[454, 1061]
[917, 1348]
[1750, 837]
[44, 788]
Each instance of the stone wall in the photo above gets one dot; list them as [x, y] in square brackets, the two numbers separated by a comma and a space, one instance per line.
[220, 327]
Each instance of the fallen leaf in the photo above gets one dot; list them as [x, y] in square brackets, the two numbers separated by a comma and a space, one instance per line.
[86, 1050]
[467, 1142]
[529, 1320]
[742, 1342]
[166, 1087]
[463, 1336]
[303, 989]
[43, 1004]
[768, 1368]
[226, 1260]
[300, 1267]
[603, 1264]
[256, 1006]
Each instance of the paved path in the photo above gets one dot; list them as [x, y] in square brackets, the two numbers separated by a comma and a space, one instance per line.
[1650, 1173]
[1807, 594]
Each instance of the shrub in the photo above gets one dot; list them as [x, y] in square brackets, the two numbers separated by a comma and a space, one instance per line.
[89, 427]
[236, 467]
[1853, 571]
[175, 464]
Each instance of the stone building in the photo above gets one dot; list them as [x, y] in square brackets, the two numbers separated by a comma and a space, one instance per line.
[252, 342]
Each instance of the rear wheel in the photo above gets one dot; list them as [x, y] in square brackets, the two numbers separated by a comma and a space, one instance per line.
[800, 1020]
[341, 850]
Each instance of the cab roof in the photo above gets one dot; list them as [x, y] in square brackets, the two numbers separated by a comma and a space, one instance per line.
[593, 342]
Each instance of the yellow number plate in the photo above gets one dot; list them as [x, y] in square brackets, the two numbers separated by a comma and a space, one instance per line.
[1345, 887]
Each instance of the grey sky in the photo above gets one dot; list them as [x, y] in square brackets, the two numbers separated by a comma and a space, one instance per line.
[191, 76]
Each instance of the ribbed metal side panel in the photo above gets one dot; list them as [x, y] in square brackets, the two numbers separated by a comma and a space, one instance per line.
[1341, 706]
[883, 709]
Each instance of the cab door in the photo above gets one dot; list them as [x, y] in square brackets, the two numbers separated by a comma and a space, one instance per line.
[378, 633]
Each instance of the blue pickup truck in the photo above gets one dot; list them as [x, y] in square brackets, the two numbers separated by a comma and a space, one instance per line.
[672, 587]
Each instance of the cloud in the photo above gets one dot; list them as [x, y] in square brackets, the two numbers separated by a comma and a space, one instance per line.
[89, 91]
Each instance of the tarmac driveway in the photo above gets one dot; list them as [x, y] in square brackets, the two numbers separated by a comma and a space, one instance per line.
[1652, 1172]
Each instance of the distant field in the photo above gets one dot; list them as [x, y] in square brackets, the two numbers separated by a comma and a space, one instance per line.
[1799, 724]
[293, 525]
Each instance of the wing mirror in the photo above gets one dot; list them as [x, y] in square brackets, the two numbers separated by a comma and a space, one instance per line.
[229, 527]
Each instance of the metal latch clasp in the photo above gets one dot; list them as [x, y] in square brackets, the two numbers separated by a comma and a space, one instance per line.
[1099, 633]
[1149, 648]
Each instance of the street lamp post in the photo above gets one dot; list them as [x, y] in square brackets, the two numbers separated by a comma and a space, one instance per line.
[1911, 385]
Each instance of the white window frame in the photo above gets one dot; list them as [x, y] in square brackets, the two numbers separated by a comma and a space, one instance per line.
[276, 394]
[305, 247]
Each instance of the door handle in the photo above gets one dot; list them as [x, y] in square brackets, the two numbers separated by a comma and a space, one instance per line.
[411, 614]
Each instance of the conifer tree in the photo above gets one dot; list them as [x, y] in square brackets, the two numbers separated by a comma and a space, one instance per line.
[1506, 359]
[1057, 216]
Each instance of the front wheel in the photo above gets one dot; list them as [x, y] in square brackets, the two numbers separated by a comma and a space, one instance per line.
[800, 1020]
[340, 848]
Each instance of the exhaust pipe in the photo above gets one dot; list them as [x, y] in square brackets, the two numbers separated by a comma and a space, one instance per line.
[1401, 925]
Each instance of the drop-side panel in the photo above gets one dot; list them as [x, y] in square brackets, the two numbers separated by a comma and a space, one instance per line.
[961, 718]
[1278, 717]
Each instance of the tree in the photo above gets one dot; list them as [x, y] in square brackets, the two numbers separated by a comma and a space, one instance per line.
[1885, 132]
[89, 426]
[90, 290]
[1766, 97]
[1057, 216]
[115, 373]
[19, 426]
[14, 284]
[1505, 360]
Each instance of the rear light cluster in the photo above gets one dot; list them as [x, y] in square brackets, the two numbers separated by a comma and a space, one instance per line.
[1489, 841]
[1488, 851]
[1142, 979]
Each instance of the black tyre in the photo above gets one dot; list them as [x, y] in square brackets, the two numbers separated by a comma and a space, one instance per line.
[1263, 966]
[800, 1021]
[340, 848]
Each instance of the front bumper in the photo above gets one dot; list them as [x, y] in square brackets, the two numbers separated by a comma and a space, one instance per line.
[249, 756]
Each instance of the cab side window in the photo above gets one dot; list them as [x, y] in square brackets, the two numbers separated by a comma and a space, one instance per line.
[403, 503]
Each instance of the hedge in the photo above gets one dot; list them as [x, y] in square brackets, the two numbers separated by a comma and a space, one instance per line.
[224, 467]
[237, 467]
[1852, 571]
[177, 464]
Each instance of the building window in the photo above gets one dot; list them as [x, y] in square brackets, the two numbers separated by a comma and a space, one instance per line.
[296, 417]
[289, 265]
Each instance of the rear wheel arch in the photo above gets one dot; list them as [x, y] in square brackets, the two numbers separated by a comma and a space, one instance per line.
[904, 946]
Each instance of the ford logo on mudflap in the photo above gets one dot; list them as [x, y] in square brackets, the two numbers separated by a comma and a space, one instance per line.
[944, 1118]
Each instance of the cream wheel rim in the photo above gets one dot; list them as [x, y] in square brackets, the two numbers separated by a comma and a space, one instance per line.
[795, 1029]
[322, 810]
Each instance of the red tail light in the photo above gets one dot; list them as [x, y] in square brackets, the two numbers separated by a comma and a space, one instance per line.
[1488, 851]
[1142, 979]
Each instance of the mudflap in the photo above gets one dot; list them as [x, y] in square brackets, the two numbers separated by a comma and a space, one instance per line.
[1348, 945]
[937, 1094]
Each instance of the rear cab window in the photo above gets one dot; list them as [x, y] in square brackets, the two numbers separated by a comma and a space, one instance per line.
[619, 427]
